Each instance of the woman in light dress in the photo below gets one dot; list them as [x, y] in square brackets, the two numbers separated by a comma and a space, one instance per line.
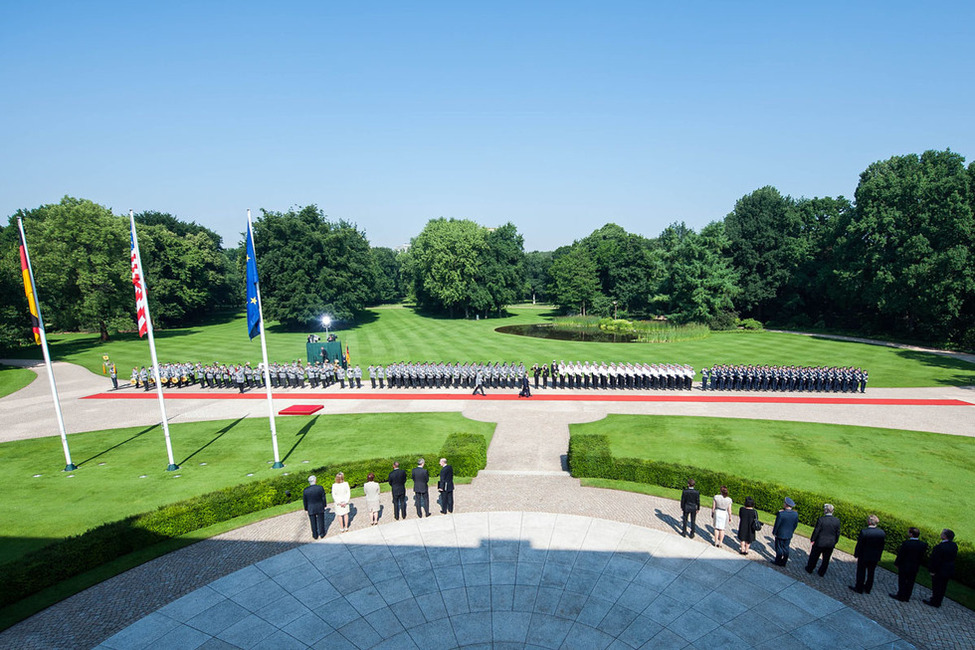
[721, 513]
[341, 495]
[372, 497]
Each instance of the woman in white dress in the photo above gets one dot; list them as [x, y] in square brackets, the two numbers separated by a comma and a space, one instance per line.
[721, 513]
[341, 495]
[372, 497]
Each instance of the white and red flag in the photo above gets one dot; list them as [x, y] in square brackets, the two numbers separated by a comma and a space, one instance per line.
[141, 307]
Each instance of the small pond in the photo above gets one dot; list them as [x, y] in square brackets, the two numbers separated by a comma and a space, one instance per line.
[549, 332]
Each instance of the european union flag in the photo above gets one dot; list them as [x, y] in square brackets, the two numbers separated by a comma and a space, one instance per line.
[253, 309]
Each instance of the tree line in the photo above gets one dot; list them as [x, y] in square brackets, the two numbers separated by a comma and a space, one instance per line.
[897, 260]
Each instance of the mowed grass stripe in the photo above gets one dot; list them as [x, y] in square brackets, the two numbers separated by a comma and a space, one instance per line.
[395, 334]
[896, 471]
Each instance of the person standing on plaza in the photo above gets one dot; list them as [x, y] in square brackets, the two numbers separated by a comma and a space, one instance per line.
[786, 522]
[690, 503]
[341, 495]
[371, 489]
[446, 486]
[313, 499]
[397, 487]
[824, 537]
[868, 551]
[421, 489]
[747, 516]
[720, 514]
[478, 382]
[941, 565]
[908, 562]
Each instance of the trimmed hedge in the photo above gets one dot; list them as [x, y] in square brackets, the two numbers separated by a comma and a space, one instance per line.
[74, 555]
[590, 456]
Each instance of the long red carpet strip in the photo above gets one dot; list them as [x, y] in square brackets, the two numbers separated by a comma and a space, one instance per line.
[542, 397]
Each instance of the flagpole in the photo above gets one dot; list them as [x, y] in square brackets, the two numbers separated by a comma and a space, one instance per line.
[152, 347]
[267, 371]
[69, 466]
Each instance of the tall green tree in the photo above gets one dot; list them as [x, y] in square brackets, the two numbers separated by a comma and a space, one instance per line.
[310, 266]
[537, 266]
[80, 254]
[575, 279]
[906, 252]
[502, 267]
[699, 283]
[443, 267]
[764, 234]
[626, 269]
[389, 278]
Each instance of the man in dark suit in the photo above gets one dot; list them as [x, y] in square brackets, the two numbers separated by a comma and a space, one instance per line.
[446, 487]
[690, 503]
[397, 487]
[786, 521]
[421, 489]
[868, 551]
[908, 561]
[941, 566]
[824, 537]
[313, 498]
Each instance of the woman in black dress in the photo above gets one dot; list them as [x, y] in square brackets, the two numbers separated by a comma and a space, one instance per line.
[747, 516]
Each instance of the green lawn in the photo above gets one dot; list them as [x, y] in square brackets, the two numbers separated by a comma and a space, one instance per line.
[902, 472]
[13, 379]
[122, 471]
[395, 333]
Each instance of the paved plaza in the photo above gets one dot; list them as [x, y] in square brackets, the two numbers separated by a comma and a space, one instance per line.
[531, 559]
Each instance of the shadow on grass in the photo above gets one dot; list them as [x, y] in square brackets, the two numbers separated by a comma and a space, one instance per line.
[300, 437]
[963, 372]
[213, 440]
[116, 446]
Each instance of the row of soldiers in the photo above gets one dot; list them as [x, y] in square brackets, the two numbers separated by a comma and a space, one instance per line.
[820, 379]
[447, 375]
[639, 376]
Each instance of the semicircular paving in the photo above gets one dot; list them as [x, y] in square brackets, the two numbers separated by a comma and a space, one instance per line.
[505, 579]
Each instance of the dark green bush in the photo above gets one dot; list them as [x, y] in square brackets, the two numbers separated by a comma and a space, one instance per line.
[466, 452]
[590, 456]
[74, 555]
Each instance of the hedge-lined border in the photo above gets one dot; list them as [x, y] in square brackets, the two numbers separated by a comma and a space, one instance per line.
[74, 555]
[590, 456]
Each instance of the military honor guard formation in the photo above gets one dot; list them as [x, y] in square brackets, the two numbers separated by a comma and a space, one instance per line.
[558, 375]
[818, 379]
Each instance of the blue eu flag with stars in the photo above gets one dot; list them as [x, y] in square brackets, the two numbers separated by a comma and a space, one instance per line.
[253, 309]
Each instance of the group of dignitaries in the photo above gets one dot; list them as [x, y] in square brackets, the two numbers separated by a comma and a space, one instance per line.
[826, 534]
[559, 374]
[819, 379]
[315, 501]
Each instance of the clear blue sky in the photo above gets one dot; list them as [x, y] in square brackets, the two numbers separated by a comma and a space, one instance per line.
[557, 116]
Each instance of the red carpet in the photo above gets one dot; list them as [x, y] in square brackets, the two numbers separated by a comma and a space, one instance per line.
[301, 409]
[546, 396]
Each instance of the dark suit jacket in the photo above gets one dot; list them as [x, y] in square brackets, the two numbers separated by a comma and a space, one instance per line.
[421, 477]
[690, 500]
[397, 482]
[785, 524]
[446, 482]
[910, 554]
[313, 498]
[827, 531]
[870, 545]
[942, 560]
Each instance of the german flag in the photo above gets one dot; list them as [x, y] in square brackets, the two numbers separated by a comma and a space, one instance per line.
[29, 290]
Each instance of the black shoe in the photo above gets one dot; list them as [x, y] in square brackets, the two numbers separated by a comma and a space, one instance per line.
[809, 571]
[897, 597]
[852, 588]
[928, 602]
